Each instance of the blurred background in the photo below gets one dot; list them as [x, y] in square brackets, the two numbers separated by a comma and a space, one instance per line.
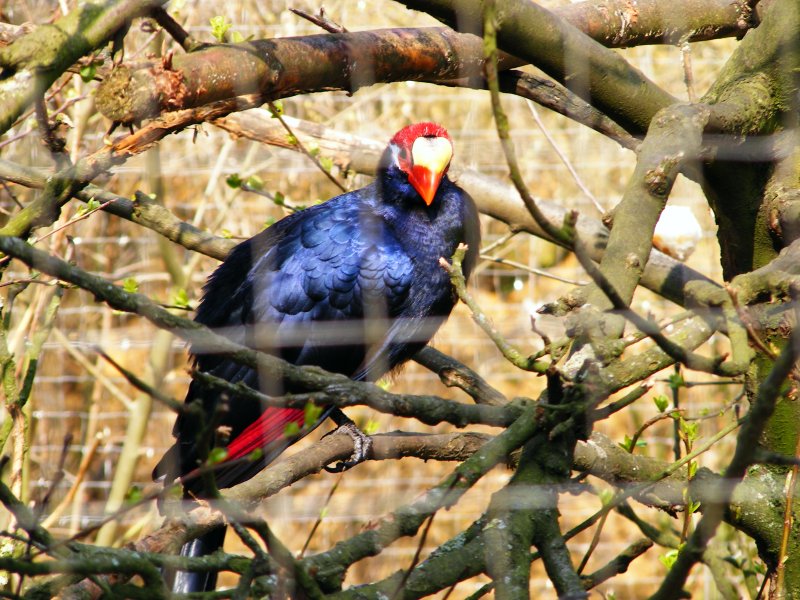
[77, 394]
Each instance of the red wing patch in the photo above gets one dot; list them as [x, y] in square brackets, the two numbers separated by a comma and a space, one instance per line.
[270, 426]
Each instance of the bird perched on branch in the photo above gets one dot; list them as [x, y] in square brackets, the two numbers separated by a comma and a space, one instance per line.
[351, 285]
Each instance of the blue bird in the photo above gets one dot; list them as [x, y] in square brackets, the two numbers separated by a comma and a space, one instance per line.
[352, 285]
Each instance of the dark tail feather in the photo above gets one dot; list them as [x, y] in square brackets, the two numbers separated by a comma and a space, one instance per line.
[183, 582]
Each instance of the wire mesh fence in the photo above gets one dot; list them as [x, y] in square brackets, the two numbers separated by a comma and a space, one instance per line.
[81, 407]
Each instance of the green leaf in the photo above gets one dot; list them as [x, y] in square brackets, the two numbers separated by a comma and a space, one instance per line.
[7, 549]
[279, 199]
[255, 455]
[668, 558]
[217, 455]
[311, 414]
[291, 139]
[91, 205]
[175, 492]
[276, 109]
[133, 495]
[181, 298]
[689, 429]
[219, 27]
[693, 507]
[313, 149]
[226, 233]
[236, 37]
[606, 496]
[627, 443]
[692, 469]
[326, 162]
[255, 182]
[234, 181]
[371, 427]
[676, 381]
[269, 222]
[291, 429]
[661, 402]
[130, 285]
[88, 72]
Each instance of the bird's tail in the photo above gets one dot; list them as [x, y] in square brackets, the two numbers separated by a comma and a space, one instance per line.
[184, 582]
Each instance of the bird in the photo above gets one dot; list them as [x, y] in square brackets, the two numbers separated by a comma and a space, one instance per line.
[352, 285]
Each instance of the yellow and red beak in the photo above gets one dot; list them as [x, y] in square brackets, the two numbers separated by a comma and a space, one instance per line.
[430, 158]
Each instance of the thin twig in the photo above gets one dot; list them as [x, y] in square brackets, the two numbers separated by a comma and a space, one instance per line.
[587, 192]
[415, 559]
[502, 240]
[322, 513]
[140, 385]
[788, 520]
[175, 30]
[512, 354]
[277, 114]
[80, 217]
[83, 469]
[320, 20]
[650, 422]
[688, 75]
[533, 270]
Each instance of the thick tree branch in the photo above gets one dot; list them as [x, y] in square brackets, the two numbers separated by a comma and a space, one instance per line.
[618, 23]
[455, 374]
[288, 66]
[430, 410]
[534, 34]
[277, 68]
[673, 139]
[754, 96]
[782, 195]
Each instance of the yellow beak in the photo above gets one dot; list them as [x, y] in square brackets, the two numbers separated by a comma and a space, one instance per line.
[430, 159]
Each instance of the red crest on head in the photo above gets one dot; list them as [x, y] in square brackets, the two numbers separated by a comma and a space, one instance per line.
[418, 152]
[406, 136]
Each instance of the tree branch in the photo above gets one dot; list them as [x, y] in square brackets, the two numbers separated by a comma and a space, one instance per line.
[33, 62]
[284, 67]
[534, 34]
[455, 374]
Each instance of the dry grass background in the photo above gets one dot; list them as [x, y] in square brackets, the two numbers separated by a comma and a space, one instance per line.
[194, 164]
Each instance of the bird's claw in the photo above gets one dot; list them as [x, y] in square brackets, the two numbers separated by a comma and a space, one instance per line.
[362, 445]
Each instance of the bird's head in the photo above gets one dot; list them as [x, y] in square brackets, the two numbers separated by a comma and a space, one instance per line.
[422, 152]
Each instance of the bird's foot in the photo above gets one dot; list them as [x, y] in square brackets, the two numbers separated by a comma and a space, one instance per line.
[362, 443]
